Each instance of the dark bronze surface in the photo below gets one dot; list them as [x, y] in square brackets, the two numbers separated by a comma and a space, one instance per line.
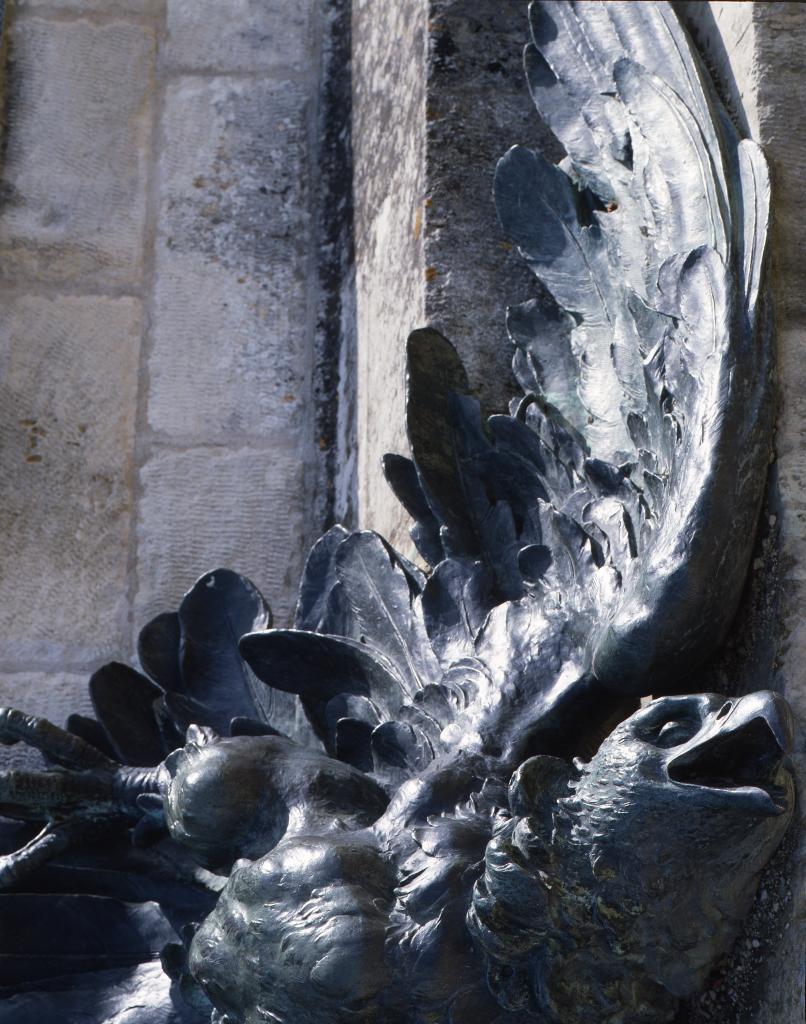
[490, 829]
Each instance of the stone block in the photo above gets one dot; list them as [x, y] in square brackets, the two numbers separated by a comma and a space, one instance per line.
[101, 7]
[213, 507]
[68, 383]
[54, 696]
[240, 35]
[76, 151]
[231, 351]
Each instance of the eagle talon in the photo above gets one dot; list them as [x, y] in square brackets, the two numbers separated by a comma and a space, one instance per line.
[85, 788]
[54, 839]
[58, 745]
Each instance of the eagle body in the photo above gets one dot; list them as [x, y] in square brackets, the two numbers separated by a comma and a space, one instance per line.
[543, 902]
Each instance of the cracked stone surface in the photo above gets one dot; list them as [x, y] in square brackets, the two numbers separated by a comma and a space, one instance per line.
[229, 337]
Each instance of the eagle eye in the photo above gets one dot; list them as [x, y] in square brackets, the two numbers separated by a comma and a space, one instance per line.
[676, 732]
[669, 723]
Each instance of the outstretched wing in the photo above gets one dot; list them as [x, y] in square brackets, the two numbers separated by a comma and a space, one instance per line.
[596, 539]
[661, 273]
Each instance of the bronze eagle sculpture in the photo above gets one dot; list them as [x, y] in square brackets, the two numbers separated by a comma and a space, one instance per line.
[502, 802]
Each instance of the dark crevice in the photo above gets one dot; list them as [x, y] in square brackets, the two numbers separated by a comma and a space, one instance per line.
[334, 343]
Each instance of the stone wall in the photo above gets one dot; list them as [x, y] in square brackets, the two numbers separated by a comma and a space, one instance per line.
[389, 113]
[163, 405]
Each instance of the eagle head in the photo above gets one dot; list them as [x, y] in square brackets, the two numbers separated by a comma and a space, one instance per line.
[618, 883]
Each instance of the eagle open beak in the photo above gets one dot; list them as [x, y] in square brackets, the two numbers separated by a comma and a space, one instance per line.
[742, 753]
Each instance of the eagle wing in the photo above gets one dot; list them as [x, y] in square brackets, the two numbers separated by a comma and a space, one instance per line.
[586, 547]
[594, 540]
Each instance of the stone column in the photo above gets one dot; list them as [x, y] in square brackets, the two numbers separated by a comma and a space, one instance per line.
[439, 95]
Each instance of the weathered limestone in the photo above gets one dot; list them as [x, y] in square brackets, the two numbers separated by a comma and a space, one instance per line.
[229, 355]
[99, 7]
[227, 443]
[67, 412]
[389, 111]
[255, 497]
[240, 35]
[77, 151]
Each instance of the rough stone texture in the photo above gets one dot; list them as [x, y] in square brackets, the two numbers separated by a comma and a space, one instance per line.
[76, 152]
[478, 107]
[429, 247]
[335, 334]
[239, 35]
[160, 288]
[389, 110]
[67, 410]
[98, 7]
[255, 498]
[229, 352]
